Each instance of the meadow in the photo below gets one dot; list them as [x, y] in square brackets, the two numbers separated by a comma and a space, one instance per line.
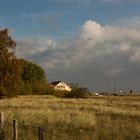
[95, 118]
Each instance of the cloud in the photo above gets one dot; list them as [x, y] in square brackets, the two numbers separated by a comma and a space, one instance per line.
[69, 1]
[130, 22]
[49, 21]
[93, 1]
[110, 1]
[29, 47]
[97, 53]
[37, 15]
[120, 1]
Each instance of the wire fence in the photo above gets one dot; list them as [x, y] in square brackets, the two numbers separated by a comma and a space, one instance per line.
[14, 130]
[26, 132]
[20, 131]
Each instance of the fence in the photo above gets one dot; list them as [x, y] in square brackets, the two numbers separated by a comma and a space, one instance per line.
[19, 132]
[15, 129]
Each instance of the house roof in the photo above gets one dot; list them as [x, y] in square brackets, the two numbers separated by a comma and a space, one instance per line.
[55, 83]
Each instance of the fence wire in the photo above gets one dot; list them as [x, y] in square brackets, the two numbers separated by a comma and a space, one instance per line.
[30, 132]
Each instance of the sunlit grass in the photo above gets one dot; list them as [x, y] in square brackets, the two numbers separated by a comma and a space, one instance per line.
[94, 118]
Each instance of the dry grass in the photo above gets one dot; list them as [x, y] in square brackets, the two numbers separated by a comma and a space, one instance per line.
[97, 118]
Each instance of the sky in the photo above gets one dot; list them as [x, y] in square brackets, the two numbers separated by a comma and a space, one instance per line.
[92, 43]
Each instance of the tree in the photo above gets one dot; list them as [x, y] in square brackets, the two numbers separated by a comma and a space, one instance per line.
[18, 76]
[31, 72]
[9, 66]
[33, 78]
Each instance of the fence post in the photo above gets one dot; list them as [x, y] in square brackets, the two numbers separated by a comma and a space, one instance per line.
[2, 133]
[40, 133]
[15, 130]
[1, 120]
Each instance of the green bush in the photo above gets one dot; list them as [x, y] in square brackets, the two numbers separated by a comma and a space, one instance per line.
[77, 93]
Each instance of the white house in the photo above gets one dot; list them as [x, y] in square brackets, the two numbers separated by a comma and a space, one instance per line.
[60, 85]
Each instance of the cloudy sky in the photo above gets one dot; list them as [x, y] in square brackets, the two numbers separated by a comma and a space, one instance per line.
[94, 43]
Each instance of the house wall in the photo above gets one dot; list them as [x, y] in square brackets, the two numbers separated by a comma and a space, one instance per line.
[62, 86]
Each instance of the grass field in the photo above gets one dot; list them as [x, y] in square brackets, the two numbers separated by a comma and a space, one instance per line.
[96, 118]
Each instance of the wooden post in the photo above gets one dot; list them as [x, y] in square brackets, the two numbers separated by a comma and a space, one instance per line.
[1, 120]
[40, 133]
[2, 133]
[15, 130]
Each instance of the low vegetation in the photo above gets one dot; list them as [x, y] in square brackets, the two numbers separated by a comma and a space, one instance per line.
[96, 118]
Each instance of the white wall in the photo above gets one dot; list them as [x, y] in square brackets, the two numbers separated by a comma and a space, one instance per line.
[62, 86]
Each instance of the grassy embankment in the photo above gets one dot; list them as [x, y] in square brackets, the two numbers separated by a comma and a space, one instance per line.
[97, 118]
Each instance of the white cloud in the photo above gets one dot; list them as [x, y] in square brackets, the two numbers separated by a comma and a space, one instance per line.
[97, 53]
[91, 30]
[33, 46]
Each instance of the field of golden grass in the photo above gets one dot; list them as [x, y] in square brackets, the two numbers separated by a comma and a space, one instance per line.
[96, 118]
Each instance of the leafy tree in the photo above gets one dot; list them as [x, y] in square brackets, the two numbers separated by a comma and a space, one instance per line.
[33, 78]
[32, 72]
[9, 66]
[18, 76]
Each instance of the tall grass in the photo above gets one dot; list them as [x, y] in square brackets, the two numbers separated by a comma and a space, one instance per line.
[97, 118]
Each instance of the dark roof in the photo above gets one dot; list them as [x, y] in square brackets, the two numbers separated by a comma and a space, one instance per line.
[55, 83]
